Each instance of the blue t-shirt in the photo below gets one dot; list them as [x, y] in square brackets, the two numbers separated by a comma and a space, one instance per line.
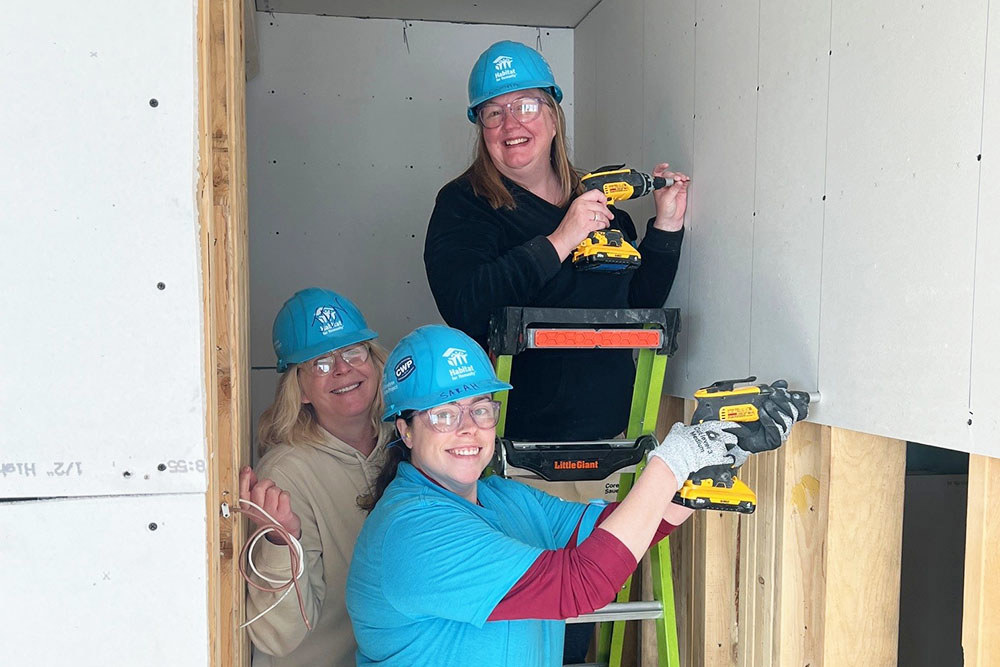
[429, 567]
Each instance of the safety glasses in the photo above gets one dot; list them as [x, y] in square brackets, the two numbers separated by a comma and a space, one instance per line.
[447, 418]
[523, 110]
[356, 355]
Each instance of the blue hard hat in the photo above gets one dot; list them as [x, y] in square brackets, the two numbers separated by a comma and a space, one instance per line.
[505, 67]
[435, 365]
[315, 321]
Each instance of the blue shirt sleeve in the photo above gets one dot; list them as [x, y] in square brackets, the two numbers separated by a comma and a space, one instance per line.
[564, 515]
[443, 561]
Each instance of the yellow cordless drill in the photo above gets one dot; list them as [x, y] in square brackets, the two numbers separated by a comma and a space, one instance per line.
[717, 487]
[607, 250]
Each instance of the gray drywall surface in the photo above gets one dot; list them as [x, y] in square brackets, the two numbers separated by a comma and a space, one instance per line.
[838, 228]
[103, 377]
[352, 131]
[102, 371]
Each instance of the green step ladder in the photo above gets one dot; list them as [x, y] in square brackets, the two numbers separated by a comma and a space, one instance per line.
[653, 331]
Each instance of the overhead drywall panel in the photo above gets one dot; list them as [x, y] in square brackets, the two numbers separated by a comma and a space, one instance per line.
[352, 131]
[113, 581]
[789, 174]
[609, 92]
[668, 132]
[101, 336]
[720, 224]
[552, 13]
[899, 237]
[984, 410]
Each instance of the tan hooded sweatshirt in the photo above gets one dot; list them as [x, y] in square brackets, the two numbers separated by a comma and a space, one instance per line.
[324, 483]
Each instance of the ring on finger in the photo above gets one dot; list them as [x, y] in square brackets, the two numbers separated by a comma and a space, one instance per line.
[595, 216]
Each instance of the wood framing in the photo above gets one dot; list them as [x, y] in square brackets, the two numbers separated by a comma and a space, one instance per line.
[862, 488]
[222, 197]
[812, 570]
[981, 618]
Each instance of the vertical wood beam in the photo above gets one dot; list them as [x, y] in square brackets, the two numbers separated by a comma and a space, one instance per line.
[862, 486]
[981, 617]
[223, 220]
[800, 548]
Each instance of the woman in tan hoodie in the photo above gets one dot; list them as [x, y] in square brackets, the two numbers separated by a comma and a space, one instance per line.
[323, 443]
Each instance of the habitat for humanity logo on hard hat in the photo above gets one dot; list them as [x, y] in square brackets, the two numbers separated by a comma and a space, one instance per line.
[459, 361]
[328, 319]
[504, 66]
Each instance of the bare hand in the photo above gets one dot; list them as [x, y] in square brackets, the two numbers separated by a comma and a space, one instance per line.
[273, 500]
[671, 203]
[588, 213]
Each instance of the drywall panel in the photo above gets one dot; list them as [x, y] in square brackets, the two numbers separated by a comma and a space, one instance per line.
[789, 174]
[104, 581]
[720, 224]
[609, 86]
[668, 133]
[984, 411]
[557, 13]
[899, 237]
[353, 127]
[101, 335]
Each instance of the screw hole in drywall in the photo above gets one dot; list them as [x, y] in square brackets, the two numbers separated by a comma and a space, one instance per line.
[979, 157]
[161, 467]
[161, 286]
[153, 102]
[126, 474]
[153, 526]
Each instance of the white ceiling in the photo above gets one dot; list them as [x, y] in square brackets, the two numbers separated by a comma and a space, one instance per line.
[542, 13]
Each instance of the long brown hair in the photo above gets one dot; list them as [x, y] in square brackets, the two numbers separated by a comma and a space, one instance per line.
[487, 182]
[289, 421]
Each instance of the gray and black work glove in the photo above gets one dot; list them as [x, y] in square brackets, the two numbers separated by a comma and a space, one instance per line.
[780, 410]
[687, 449]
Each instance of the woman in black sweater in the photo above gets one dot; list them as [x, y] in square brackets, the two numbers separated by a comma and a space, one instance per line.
[502, 233]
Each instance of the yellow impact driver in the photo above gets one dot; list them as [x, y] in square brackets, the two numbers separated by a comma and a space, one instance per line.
[717, 487]
[607, 250]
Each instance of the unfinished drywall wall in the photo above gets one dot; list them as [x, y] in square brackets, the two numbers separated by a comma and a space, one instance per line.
[834, 229]
[102, 313]
[101, 392]
[353, 126]
[105, 581]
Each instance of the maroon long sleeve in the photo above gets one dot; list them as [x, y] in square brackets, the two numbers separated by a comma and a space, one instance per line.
[574, 580]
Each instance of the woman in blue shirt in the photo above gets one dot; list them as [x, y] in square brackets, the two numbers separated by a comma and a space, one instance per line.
[453, 570]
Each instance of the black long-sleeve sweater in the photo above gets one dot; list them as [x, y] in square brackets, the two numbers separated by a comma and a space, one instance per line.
[479, 259]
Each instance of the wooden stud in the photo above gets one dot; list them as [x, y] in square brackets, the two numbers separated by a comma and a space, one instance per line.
[981, 617]
[223, 221]
[862, 487]
[799, 548]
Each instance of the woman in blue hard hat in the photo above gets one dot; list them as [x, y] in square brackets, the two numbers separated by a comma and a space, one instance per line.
[323, 443]
[502, 234]
[452, 570]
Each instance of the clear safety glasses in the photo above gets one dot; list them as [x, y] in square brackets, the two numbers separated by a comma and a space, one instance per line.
[446, 418]
[523, 110]
[354, 355]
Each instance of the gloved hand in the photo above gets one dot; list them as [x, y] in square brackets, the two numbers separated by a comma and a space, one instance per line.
[780, 411]
[690, 448]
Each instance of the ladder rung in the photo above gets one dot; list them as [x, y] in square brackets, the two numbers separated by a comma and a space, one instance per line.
[622, 611]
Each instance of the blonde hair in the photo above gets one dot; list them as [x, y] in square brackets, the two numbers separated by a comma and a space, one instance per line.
[487, 182]
[289, 421]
